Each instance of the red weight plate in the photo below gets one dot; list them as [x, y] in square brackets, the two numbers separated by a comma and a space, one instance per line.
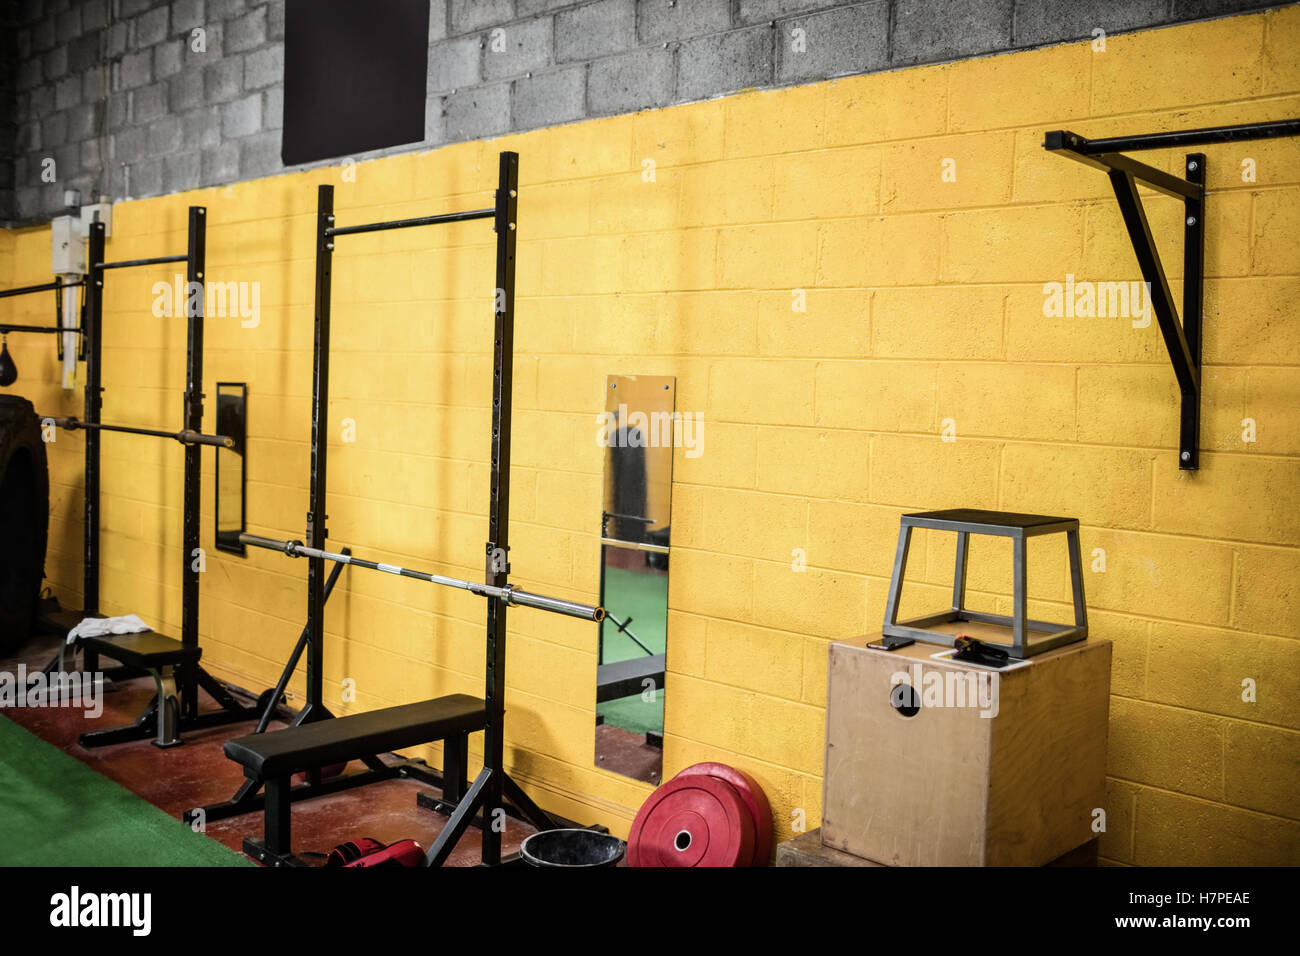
[695, 821]
[754, 798]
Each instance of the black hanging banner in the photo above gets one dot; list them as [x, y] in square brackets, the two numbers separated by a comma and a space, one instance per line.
[354, 76]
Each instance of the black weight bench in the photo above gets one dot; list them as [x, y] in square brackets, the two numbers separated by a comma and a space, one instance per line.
[153, 654]
[157, 655]
[273, 757]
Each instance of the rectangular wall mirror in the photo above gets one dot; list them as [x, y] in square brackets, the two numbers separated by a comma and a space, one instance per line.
[635, 523]
[232, 407]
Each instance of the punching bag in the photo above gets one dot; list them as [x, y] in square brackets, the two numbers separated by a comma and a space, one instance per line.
[8, 370]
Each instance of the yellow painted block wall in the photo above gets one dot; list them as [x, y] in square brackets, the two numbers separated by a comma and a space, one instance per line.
[924, 305]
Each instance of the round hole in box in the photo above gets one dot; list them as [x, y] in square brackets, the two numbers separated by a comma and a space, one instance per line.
[905, 699]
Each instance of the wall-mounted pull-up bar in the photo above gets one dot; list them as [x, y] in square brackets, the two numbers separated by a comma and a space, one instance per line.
[185, 436]
[131, 263]
[509, 594]
[407, 223]
[43, 287]
[1182, 339]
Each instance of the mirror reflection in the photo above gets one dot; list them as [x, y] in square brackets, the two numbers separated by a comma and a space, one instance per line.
[232, 407]
[635, 530]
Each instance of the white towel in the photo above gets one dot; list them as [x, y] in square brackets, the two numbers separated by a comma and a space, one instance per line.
[99, 626]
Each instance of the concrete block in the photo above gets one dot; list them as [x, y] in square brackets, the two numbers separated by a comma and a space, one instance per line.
[437, 21]
[435, 133]
[835, 43]
[93, 85]
[42, 35]
[146, 178]
[67, 92]
[466, 16]
[264, 67]
[83, 52]
[83, 122]
[660, 22]
[527, 48]
[528, 8]
[135, 69]
[225, 9]
[928, 31]
[275, 19]
[166, 135]
[636, 80]
[67, 23]
[129, 8]
[246, 32]
[202, 127]
[548, 98]
[185, 91]
[55, 63]
[54, 131]
[148, 103]
[273, 108]
[757, 11]
[223, 80]
[259, 155]
[186, 15]
[454, 64]
[595, 29]
[151, 27]
[130, 145]
[478, 112]
[168, 58]
[213, 35]
[29, 74]
[220, 164]
[116, 40]
[242, 117]
[119, 111]
[91, 154]
[94, 14]
[724, 63]
[182, 171]
[1039, 23]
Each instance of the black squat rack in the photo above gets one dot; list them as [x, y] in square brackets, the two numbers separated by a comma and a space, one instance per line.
[318, 739]
[173, 664]
[1182, 340]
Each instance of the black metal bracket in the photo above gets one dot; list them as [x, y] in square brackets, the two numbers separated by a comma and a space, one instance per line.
[1182, 339]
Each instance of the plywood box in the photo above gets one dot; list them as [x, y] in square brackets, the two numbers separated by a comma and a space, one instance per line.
[992, 769]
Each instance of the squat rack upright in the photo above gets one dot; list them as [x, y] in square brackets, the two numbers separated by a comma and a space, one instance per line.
[173, 664]
[305, 746]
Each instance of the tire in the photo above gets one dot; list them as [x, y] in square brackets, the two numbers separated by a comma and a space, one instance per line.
[24, 519]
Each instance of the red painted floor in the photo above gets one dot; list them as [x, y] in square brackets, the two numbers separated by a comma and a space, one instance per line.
[198, 773]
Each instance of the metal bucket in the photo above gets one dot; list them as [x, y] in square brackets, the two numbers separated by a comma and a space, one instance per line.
[572, 848]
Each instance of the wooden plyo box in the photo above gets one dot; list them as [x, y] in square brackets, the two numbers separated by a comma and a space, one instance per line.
[950, 786]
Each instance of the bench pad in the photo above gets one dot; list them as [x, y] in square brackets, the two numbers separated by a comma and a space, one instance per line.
[145, 650]
[278, 753]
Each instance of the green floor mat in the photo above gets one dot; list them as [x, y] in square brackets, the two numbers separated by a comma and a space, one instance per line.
[56, 811]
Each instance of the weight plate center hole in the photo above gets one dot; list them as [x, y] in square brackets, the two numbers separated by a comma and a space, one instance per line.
[682, 841]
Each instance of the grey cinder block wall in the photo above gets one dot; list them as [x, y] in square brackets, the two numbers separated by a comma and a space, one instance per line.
[134, 98]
